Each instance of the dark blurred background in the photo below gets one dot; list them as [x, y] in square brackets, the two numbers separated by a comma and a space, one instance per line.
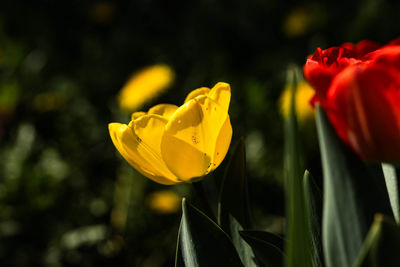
[66, 196]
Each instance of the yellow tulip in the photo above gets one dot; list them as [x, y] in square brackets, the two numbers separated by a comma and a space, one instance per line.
[171, 144]
[144, 86]
[298, 22]
[303, 108]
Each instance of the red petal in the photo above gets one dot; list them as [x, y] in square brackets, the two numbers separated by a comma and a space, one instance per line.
[363, 105]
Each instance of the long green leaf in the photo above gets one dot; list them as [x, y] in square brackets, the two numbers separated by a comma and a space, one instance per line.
[233, 205]
[313, 200]
[392, 184]
[201, 242]
[178, 253]
[267, 237]
[266, 246]
[382, 244]
[245, 252]
[234, 198]
[351, 197]
[298, 245]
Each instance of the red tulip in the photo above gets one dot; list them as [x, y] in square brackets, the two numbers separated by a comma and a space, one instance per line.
[388, 56]
[361, 97]
[324, 65]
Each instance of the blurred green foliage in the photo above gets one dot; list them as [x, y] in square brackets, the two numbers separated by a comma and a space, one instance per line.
[66, 196]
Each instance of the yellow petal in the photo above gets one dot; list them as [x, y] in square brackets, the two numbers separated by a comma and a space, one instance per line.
[149, 130]
[165, 110]
[197, 92]
[126, 143]
[137, 114]
[115, 129]
[221, 93]
[223, 143]
[184, 160]
[190, 137]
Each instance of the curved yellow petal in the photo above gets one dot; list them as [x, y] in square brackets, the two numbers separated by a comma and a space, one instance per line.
[165, 110]
[126, 141]
[137, 114]
[221, 93]
[183, 159]
[222, 144]
[190, 137]
[149, 130]
[196, 92]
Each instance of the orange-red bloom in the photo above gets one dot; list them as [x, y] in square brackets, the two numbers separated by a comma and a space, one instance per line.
[359, 88]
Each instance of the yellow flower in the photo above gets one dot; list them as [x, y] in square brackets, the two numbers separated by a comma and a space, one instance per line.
[297, 22]
[304, 93]
[164, 201]
[145, 85]
[171, 144]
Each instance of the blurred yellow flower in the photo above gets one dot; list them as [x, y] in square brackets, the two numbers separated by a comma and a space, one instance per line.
[145, 85]
[297, 22]
[171, 144]
[164, 201]
[103, 12]
[304, 93]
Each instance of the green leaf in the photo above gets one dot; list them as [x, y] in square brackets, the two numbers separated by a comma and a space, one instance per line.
[266, 246]
[298, 245]
[178, 253]
[268, 237]
[234, 198]
[351, 197]
[313, 200]
[392, 184]
[245, 252]
[382, 244]
[233, 205]
[201, 242]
